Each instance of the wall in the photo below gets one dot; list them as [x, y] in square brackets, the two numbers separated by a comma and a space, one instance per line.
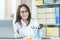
[8, 8]
[29, 3]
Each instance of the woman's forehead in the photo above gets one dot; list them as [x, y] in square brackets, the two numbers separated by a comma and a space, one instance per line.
[23, 8]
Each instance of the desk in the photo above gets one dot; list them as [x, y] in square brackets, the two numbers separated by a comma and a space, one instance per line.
[10, 38]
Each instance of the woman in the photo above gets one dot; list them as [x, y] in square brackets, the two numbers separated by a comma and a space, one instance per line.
[24, 24]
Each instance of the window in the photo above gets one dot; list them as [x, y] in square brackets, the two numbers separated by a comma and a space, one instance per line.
[2, 5]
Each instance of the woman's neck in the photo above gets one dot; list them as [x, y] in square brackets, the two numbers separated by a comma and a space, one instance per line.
[25, 21]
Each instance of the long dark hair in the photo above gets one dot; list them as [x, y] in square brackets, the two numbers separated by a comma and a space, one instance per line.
[18, 17]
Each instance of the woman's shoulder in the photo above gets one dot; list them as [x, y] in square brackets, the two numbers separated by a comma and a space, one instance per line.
[16, 24]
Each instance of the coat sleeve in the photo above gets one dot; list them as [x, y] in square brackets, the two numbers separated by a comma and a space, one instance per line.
[36, 25]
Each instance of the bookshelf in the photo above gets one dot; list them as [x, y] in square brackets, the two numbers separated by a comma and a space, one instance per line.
[48, 5]
[43, 17]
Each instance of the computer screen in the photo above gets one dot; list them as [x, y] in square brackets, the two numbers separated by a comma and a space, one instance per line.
[6, 29]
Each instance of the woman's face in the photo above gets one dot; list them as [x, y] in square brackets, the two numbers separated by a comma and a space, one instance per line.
[24, 13]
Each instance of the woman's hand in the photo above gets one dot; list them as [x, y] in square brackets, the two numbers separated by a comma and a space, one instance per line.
[27, 38]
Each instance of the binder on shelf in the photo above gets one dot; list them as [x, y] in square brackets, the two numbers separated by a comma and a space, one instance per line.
[57, 12]
[38, 2]
[48, 1]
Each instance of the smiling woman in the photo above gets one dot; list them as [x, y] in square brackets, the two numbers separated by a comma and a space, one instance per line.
[24, 24]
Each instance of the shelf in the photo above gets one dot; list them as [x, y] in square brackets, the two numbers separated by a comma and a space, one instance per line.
[51, 25]
[47, 13]
[48, 5]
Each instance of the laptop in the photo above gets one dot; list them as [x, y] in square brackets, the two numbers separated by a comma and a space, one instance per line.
[6, 29]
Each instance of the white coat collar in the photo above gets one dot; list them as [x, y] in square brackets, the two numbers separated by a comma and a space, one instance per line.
[23, 22]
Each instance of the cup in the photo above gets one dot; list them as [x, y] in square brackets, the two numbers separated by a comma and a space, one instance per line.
[36, 35]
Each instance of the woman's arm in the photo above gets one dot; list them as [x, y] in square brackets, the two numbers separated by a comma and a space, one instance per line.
[16, 30]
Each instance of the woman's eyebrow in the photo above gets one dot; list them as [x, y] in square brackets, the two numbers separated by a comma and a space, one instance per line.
[23, 10]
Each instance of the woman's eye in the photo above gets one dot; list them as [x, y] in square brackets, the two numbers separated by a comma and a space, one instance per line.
[24, 11]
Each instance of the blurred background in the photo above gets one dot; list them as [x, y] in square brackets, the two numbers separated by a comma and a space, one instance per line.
[46, 12]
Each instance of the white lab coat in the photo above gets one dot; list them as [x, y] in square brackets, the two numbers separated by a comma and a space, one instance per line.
[25, 30]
